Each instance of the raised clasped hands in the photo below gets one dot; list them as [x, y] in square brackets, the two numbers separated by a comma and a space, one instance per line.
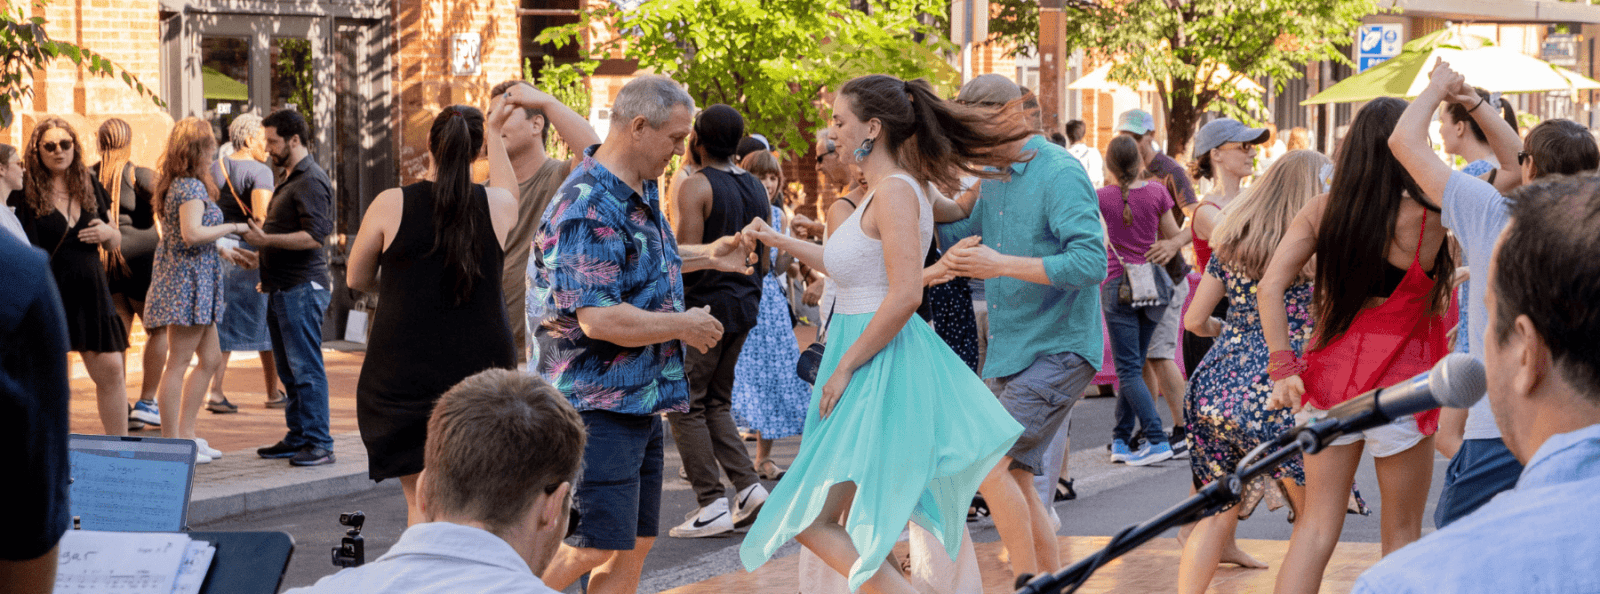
[1453, 84]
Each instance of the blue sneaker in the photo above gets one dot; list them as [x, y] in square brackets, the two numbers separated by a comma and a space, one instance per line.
[1119, 451]
[147, 412]
[1151, 454]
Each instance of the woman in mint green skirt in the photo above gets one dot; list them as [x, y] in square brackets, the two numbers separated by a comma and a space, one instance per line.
[900, 428]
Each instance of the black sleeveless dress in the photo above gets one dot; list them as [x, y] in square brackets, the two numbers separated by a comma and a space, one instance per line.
[92, 321]
[421, 343]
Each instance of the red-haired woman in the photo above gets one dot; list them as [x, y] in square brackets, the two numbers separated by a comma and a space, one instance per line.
[185, 295]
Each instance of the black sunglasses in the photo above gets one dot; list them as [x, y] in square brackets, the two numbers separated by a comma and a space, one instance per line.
[572, 512]
[51, 147]
[1522, 157]
[825, 155]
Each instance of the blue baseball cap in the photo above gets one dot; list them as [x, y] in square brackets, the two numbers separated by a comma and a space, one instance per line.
[1136, 121]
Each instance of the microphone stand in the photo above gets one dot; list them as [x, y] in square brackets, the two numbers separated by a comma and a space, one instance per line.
[1208, 501]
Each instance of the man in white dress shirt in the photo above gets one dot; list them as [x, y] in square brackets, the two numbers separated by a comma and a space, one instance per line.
[493, 519]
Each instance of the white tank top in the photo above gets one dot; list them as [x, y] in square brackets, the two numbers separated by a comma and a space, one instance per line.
[855, 261]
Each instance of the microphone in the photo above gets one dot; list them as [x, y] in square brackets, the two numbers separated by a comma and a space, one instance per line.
[1457, 381]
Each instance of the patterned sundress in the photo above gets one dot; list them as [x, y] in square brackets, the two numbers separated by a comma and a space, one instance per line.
[186, 281]
[767, 393]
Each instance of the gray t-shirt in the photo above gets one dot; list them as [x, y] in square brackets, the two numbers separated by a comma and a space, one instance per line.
[1476, 213]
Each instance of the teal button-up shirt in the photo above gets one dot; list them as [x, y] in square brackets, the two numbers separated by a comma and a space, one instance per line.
[1046, 210]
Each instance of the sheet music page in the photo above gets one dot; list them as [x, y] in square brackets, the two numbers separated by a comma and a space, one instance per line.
[125, 494]
[91, 562]
[196, 563]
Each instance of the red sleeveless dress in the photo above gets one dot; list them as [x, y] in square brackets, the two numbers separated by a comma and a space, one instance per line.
[1385, 345]
[1202, 247]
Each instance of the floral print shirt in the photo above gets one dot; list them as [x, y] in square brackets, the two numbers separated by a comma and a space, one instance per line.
[602, 244]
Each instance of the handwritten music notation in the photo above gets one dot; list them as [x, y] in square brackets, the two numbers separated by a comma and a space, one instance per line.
[93, 562]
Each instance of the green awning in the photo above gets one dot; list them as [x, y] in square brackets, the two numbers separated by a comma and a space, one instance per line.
[222, 87]
[1495, 69]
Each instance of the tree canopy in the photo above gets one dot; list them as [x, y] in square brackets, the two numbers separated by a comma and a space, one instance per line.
[770, 59]
[25, 47]
[1180, 45]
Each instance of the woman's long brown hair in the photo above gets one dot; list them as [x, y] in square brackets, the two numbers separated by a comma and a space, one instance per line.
[189, 150]
[36, 188]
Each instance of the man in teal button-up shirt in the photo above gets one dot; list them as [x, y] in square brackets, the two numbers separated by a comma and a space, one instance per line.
[1044, 256]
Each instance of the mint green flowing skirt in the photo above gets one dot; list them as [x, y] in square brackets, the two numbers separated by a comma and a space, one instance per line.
[915, 430]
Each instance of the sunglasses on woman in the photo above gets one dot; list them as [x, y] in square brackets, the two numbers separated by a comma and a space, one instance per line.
[54, 147]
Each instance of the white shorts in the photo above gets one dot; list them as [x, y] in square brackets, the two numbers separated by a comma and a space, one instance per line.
[1382, 442]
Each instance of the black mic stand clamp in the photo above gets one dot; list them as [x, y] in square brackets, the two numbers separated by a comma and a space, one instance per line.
[1214, 498]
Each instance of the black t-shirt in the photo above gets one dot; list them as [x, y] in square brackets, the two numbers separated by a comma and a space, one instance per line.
[34, 397]
[303, 202]
[734, 299]
[136, 212]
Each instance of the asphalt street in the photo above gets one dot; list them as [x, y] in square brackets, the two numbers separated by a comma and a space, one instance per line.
[1111, 497]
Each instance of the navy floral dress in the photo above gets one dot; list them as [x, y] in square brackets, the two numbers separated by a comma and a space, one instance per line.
[186, 281]
[1225, 413]
[767, 394]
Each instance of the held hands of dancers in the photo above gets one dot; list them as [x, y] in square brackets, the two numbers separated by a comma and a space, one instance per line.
[1452, 86]
[1287, 388]
[972, 259]
[944, 270]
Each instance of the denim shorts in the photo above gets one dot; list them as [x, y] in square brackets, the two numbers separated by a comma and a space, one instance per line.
[619, 492]
[1040, 397]
[243, 326]
[1382, 442]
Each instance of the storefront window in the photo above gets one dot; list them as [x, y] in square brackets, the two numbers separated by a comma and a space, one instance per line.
[225, 75]
[292, 77]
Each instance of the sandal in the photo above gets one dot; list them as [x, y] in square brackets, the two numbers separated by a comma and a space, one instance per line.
[223, 407]
[278, 400]
[1064, 490]
[769, 470]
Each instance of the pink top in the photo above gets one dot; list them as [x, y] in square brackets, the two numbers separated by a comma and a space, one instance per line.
[1132, 241]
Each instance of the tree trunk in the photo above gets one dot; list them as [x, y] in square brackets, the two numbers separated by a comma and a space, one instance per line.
[1181, 117]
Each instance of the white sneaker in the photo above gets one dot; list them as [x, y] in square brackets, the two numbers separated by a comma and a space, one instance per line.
[748, 503]
[201, 458]
[205, 448]
[710, 520]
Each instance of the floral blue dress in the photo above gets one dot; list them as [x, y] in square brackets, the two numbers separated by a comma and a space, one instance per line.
[767, 394]
[186, 281]
[1225, 413]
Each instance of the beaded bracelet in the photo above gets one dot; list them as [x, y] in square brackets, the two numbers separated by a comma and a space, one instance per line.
[1283, 364]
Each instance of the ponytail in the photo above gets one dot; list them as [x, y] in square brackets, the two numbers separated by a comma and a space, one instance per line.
[1122, 158]
[935, 140]
[454, 140]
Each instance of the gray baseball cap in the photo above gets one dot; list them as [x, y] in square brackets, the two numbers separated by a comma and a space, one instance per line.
[1224, 130]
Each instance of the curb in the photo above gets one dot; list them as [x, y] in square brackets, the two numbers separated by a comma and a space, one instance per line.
[243, 483]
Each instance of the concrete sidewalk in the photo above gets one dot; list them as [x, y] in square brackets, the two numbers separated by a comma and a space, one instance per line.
[241, 482]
